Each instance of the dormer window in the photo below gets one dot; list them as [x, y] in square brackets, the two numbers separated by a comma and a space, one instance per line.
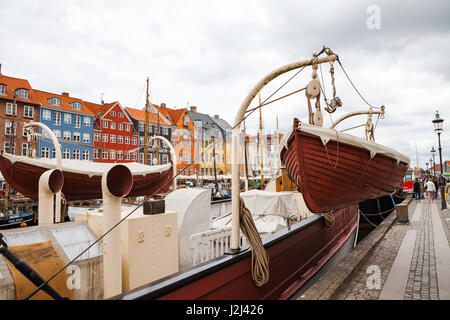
[55, 101]
[22, 93]
[186, 121]
[3, 89]
[76, 105]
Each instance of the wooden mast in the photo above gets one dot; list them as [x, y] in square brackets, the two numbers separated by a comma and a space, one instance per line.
[146, 129]
[261, 144]
[278, 147]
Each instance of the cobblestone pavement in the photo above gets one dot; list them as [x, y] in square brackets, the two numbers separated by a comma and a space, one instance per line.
[367, 281]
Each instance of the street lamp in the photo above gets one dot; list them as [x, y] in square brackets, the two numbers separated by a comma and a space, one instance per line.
[438, 122]
[433, 153]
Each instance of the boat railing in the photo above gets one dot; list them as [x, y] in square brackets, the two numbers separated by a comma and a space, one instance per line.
[211, 244]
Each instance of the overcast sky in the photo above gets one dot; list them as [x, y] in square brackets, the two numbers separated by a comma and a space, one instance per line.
[211, 53]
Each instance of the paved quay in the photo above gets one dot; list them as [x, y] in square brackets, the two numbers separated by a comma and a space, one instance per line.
[397, 261]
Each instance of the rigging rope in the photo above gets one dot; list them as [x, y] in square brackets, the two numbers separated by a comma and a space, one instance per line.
[260, 258]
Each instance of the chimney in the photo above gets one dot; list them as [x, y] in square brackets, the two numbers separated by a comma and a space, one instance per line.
[216, 116]
[65, 94]
[163, 105]
[193, 108]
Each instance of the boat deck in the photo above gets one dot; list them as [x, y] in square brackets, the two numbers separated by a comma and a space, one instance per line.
[397, 261]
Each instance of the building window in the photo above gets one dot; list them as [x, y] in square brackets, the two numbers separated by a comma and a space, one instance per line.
[127, 127]
[67, 135]
[2, 89]
[113, 113]
[113, 125]
[24, 149]
[120, 126]
[97, 136]
[104, 154]
[76, 136]
[6, 147]
[96, 153]
[105, 124]
[45, 152]
[120, 154]
[105, 137]
[119, 139]
[76, 105]
[77, 121]
[22, 93]
[133, 156]
[28, 112]
[55, 102]
[67, 118]
[141, 157]
[8, 126]
[127, 155]
[112, 138]
[142, 126]
[46, 114]
[112, 154]
[86, 137]
[76, 154]
[57, 133]
[134, 140]
[9, 109]
[120, 114]
[87, 121]
[85, 154]
[57, 120]
[66, 153]
[127, 140]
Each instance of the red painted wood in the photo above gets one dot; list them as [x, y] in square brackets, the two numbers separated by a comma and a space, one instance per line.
[339, 174]
[25, 179]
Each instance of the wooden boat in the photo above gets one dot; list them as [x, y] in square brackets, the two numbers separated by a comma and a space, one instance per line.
[333, 170]
[82, 179]
[296, 255]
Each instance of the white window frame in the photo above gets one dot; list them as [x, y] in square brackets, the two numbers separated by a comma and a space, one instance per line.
[96, 136]
[9, 109]
[85, 155]
[45, 152]
[28, 112]
[66, 153]
[112, 138]
[119, 139]
[105, 154]
[57, 119]
[68, 118]
[76, 154]
[46, 115]
[2, 89]
[77, 121]
[87, 121]
[24, 149]
[76, 136]
[86, 137]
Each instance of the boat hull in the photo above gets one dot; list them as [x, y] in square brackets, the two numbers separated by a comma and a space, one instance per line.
[335, 174]
[295, 256]
[24, 177]
[376, 210]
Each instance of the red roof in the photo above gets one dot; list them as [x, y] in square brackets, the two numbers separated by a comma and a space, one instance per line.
[152, 116]
[12, 84]
[66, 100]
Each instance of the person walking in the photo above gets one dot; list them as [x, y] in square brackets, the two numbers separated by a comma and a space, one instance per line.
[436, 187]
[430, 187]
[447, 190]
[416, 189]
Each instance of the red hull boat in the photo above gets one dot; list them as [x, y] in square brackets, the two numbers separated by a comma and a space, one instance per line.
[82, 179]
[333, 170]
[295, 256]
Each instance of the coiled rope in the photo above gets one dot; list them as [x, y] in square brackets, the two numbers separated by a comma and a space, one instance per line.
[260, 258]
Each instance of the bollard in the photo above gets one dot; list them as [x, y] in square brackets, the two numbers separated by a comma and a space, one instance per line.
[116, 183]
[50, 182]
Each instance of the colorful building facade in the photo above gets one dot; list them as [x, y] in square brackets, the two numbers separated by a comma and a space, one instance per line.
[70, 120]
[114, 137]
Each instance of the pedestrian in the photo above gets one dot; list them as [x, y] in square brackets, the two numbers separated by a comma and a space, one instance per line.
[416, 189]
[447, 190]
[436, 187]
[430, 188]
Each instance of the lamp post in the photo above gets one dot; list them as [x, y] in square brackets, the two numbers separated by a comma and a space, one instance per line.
[438, 122]
[433, 153]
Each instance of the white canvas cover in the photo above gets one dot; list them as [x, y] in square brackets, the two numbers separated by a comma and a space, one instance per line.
[270, 210]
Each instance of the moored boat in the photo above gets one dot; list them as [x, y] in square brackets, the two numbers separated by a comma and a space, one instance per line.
[334, 170]
[82, 179]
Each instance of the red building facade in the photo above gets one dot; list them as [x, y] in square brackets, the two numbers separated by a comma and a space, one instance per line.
[113, 134]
